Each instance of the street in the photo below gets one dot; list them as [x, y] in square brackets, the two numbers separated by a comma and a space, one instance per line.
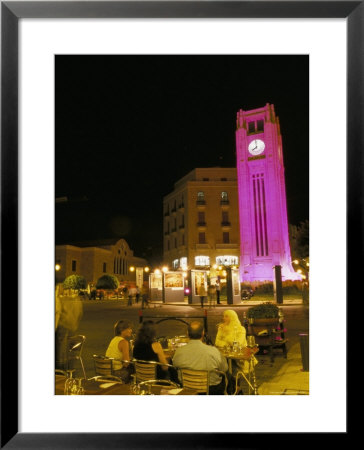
[99, 317]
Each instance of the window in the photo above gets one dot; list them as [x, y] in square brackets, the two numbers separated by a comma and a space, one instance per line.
[225, 217]
[167, 245]
[205, 179]
[74, 265]
[201, 218]
[175, 264]
[227, 260]
[104, 267]
[224, 196]
[223, 179]
[183, 239]
[201, 197]
[256, 127]
[183, 263]
[225, 237]
[202, 260]
[251, 127]
[201, 238]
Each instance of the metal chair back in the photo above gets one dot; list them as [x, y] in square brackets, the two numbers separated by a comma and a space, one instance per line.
[103, 365]
[199, 380]
[75, 347]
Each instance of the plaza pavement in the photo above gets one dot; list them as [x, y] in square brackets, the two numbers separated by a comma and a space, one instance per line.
[285, 376]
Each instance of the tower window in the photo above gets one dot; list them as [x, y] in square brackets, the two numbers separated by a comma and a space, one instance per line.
[74, 265]
[260, 126]
[256, 126]
[104, 267]
[251, 127]
[225, 237]
[201, 238]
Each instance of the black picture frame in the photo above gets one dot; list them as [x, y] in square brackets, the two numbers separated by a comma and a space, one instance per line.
[11, 12]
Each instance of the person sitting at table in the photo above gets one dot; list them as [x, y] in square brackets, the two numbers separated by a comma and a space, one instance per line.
[119, 350]
[196, 355]
[147, 348]
[230, 331]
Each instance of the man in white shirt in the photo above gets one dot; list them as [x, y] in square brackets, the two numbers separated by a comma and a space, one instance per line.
[198, 356]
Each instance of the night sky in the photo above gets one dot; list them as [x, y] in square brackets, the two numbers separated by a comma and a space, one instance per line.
[128, 127]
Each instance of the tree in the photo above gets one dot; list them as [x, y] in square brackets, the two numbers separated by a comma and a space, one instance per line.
[75, 282]
[107, 282]
[299, 237]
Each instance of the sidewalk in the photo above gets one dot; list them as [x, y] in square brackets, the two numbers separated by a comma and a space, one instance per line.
[284, 376]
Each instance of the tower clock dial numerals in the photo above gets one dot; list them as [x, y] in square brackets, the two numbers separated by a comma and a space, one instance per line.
[256, 147]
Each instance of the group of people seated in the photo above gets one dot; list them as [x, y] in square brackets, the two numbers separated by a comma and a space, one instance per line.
[194, 355]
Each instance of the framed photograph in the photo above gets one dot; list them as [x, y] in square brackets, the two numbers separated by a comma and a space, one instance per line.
[32, 33]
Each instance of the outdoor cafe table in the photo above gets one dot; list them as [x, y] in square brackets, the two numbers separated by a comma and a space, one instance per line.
[244, 354]
[92, 387]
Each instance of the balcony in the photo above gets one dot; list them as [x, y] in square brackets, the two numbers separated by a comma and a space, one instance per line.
[200, 202]
[226, 246]
[173, 230]
[173, 211]
[224, 202]
[225, 224]
[181, 206]
[181, 227]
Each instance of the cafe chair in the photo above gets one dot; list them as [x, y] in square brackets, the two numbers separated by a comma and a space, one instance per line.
[198, 380]
[75, 346]
[147, 370]
[107, 379]
[103, 365]
[61, 372]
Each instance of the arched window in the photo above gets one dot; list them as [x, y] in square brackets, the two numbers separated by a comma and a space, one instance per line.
[201, 197]
[224, 196]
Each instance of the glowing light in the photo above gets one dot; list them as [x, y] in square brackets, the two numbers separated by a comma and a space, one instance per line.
[131, 268]
[295, 261]
[58, 267]
[214, 266]
[299, 271]
[224, 273]
[164, 269]
[157, 271]
[184, 274]
[303, 276]
[308, 264]
[187, 291]
[146, 269]
[220, 267]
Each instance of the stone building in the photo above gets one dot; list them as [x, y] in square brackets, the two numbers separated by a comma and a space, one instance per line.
[92, 260]
[201, 220]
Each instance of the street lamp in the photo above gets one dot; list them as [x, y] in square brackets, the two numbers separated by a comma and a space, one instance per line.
[58, 267]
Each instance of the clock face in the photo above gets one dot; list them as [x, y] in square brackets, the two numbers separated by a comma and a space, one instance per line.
[256, 147]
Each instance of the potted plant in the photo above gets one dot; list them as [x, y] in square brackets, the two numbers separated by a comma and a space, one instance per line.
[108, 283]
[263, 314]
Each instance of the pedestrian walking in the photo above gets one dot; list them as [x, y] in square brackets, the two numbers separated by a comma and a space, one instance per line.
[202, 293]
[218, 289]
[145, 293]
[212, 295]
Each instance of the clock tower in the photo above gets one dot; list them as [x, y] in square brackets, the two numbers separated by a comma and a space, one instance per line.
[264, 241]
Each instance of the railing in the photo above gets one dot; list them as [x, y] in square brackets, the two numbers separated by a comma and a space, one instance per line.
[201, 224]
[226, 224]
[200, 202]
[224, 202]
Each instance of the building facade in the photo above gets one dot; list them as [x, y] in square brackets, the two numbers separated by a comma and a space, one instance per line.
[262, 196]
[201, 220]
[93, 261]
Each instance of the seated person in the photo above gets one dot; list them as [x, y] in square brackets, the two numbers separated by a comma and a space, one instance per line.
[230, 331]
[119, 350]
[147, 348]
[196, 355]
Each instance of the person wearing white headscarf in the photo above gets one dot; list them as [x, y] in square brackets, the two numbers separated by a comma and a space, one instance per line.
[231, 330]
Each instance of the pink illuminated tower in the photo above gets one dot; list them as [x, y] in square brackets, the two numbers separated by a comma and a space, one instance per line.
[264, 241]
